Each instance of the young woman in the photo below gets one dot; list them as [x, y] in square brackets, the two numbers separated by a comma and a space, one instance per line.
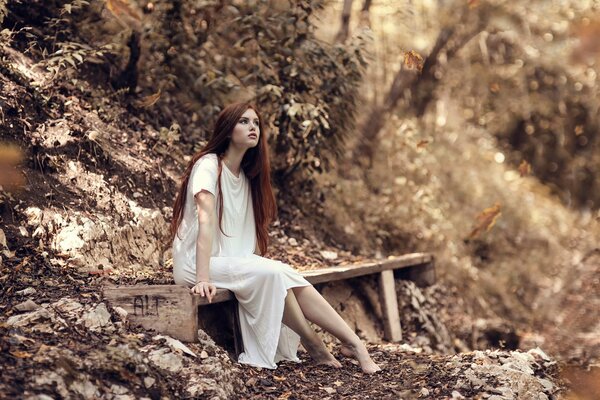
[219, 228]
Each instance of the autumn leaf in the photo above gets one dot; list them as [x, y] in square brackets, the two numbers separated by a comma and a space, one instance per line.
[20, 354]
[149, 101]
[578, 130]
[10, 154]
[279, 378]
[486, 220]
[473, 3]
[494, 87]
[524, 168]
[412, 59]
[422, 144]
[586, 31]
[102, 272]
[127, 16]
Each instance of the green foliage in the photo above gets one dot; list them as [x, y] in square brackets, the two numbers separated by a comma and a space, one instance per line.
[305, 88]
[75, 5]
[167, 137]
[204, 55]
[72, 54]
[315, 85]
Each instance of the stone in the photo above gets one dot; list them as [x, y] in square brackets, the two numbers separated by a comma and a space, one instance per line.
[29, 318]
[118, 389]
[26, 292]
[149, 381]
[97, 318]
[175, 345]
[67, 305]
[28, 305]
[121, 312]
[165, 359]
[86, 389]
[329, 255]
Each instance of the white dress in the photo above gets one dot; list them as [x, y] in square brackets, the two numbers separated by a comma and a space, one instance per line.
[259, 284]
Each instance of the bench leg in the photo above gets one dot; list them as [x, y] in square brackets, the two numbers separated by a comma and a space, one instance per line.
[422, 275]
[237, 332]
[389, 306]
[185, 325]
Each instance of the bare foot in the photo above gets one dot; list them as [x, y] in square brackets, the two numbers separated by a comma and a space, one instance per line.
[360, 353]
[321, 355]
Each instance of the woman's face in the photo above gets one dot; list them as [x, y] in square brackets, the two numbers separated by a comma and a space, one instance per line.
[246, 132]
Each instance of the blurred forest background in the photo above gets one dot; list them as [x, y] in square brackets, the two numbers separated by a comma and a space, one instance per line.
[465, 128]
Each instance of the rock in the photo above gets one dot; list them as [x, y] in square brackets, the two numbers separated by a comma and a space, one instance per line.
[457, 395]
[121, 312]
[424, 392]
[329, 255]
[86, 389]
[29, 318]
[28, 305]
[69, 239]
[3, 243]
[97, 318]
[118, 389]
[165, 359]
[149, 381]
[293, 242]
[39, 397]
[175, 345]
[548, 386]
[204, 354]
[67, 305]
[53, 380]
[539, 353]
[26, 292]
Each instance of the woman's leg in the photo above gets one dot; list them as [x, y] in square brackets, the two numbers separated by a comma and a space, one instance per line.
[294, 319]
[317, 310]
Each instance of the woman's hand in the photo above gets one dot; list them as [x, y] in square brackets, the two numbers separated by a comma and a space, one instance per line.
[204, 288]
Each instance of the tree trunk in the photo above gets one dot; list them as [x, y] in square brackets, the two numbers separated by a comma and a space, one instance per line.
[418, 89]
[344, 31]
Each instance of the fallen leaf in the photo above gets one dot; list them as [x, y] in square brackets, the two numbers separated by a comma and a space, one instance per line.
[422, 144]
[524, 168]
[127, 16]
[149, 101]
[412, 59]
[486, 220]
[21, 354]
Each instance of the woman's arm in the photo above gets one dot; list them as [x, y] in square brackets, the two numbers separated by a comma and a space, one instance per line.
[205, 205]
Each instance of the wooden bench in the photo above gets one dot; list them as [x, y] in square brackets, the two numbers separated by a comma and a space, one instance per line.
[173, 310]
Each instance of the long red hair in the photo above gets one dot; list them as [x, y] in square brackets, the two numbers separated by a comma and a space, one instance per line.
[255, 164]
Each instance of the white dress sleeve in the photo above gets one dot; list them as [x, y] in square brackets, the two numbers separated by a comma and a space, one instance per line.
[204, 175]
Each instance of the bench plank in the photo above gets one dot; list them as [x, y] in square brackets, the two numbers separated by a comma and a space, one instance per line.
[352, 271]
[169, 309]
